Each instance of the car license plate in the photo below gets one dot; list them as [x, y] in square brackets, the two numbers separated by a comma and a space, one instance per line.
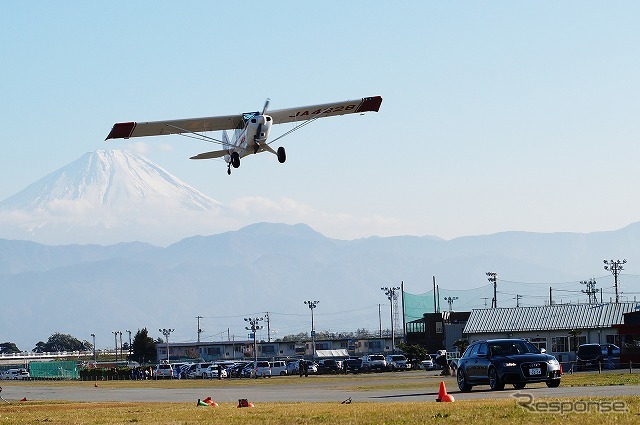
[535, 371]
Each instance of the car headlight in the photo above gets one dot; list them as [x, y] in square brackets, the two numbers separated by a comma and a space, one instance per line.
[508, 364]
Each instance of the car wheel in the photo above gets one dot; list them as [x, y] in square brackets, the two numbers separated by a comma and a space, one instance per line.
[519, 385]
[462, 381]
[554, 383]
[494, 380]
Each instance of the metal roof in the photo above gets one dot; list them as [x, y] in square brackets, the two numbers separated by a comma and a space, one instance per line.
[553, 317]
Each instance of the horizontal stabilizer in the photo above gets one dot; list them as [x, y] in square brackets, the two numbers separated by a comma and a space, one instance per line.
[211, 155]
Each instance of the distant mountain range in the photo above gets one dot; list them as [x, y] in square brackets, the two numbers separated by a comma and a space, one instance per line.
[265, 267]
[107, 197]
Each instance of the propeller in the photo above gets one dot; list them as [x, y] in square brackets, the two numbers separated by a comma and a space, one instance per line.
[266, 105]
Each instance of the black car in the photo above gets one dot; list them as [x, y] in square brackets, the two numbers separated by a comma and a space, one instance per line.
[354, 364]
[498, 362]
[327, 366]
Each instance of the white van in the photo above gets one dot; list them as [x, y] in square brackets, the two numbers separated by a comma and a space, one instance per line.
[16, 374]
[278, 367]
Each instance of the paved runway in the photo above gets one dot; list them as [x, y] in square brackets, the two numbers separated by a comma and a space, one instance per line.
[292, 391]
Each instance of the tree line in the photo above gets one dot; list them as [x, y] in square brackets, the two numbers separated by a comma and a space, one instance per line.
[143, 346]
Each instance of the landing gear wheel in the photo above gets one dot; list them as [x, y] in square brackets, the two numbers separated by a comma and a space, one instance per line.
[229, 168]
[235, 159]
[282, 155]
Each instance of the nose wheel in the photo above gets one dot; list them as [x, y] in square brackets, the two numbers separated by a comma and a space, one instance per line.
[229, 168]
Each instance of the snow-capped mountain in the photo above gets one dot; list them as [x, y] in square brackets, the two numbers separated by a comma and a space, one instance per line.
[107, 197]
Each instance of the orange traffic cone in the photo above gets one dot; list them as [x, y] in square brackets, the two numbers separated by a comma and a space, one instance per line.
[443, 396]
[210, 402]
[243, 402]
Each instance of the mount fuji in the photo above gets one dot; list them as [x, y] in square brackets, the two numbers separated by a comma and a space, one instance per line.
[107, 197]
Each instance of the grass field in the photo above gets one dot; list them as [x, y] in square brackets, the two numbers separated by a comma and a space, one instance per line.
[503, 411]
[468, 412]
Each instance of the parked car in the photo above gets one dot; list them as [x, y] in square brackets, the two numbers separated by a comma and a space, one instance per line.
[198, 371]
[293, 367]
[177, 367]
[278, 367]
[211, 372]
[329, 366]
[261, 368]
[613, 351]
[15, 374]
[397, 362]
[506, 361]
[163, 371]
[594, 356]
[427, 364]
[235, 371]
[374, 362]
[354, 364]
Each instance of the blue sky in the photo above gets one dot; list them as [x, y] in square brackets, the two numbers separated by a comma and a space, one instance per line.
[496, 115]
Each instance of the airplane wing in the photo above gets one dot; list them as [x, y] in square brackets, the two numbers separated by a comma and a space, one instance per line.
[124, 130]
[303, 113]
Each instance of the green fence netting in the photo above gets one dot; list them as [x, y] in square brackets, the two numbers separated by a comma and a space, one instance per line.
[53, 370]
[415, 305]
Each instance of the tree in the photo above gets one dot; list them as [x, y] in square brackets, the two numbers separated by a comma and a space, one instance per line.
[60, 342]
[461, 345]
[8, 348]
[144, 348]
[414, 353]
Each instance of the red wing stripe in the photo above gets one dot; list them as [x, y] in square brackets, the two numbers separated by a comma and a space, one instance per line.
[121, 130]
[370, 104]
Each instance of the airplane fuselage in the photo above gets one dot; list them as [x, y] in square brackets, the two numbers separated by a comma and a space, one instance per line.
[252, 138]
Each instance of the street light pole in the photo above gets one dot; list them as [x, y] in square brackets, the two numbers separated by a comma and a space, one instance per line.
[166, 333]
[312, 305]
[94, 347]
[115, 337]
[253, 322]
[391, 295]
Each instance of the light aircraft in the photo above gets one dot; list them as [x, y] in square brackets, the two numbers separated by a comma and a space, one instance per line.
[251, 129]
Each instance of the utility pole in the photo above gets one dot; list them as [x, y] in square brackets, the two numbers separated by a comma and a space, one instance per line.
[253, 328]
[615, 267]
[199, 330]
[493, 278]
[550, 296]
[166, 333]
[518, 298]
[379, 321]
[266, 316]
[391, 294]
[312, 305]
[591, 290]
[129, 355]
[450, 300]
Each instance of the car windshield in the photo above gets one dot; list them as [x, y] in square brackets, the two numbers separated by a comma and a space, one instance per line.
[509, 348]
